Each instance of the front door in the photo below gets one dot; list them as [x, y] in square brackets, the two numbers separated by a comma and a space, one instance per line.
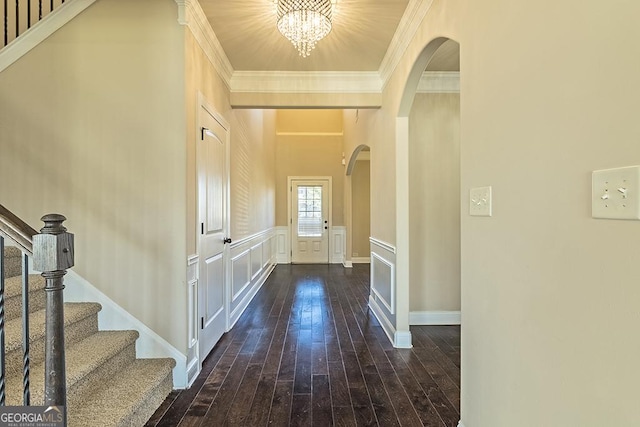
[212, 203]
[310, 216]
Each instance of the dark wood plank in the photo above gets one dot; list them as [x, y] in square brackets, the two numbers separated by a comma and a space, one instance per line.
[281, 404]
[322, 415]
[308, 351]
[300, 411]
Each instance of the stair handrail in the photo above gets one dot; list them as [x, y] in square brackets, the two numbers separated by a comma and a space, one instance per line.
[52, 253]
[17, 230]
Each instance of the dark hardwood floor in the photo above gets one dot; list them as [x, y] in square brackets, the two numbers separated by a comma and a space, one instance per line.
[307, 352]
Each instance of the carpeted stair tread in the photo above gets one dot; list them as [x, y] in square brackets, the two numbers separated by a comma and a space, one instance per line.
[82, 359]
[13, 295]
[73, 312]
[127, 399]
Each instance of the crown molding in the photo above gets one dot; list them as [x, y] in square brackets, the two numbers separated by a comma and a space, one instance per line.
[305, 82]
[409, 24]
[439, 82]
[190, 14]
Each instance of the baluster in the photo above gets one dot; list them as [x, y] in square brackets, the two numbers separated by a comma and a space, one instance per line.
[28, 14]
[39, 10]
[6, 22]
[17, 18]
[26, 372]
[53, 255]
[2, 370]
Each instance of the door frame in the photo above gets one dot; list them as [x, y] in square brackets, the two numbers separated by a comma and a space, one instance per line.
[290, 181]
[202, 103]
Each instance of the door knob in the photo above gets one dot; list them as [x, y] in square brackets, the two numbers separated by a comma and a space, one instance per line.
[227, 240]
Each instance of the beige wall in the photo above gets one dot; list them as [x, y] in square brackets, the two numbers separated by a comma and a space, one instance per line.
[361, 208]
[434, 202]
[547, 291]
[309, 155]
[92, 126]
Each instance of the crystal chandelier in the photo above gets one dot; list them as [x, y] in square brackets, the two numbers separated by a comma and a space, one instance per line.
[304, 22]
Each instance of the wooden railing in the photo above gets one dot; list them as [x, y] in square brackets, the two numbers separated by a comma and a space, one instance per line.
[52, 253]
[18, 16]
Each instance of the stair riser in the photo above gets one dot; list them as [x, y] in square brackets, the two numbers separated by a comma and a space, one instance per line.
[148, 406]
[96, 379]
[12, 266]
[73, 333]
[13, 305]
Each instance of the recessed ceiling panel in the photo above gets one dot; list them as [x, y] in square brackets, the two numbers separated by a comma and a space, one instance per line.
[362, 31]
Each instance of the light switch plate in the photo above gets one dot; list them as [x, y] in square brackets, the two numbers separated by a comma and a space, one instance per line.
[614, 193]
[480, 201]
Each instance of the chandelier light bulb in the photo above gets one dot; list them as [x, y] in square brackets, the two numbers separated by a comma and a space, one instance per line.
[304, 22]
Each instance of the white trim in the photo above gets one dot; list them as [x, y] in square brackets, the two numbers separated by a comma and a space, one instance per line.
[193, 369]
[386, 324]
[389, 305]
[337, 244]
[190, 13]
[193, 259]
[112, 316]
[434, 317]
[283, 245]
[460, 424]
[384, 245]
[402, 339]
[278, 133]
[244, 240]
[242, 254]
[347, 264]
[361, 260]
[40, 31]
[306, 82]
[409, 23]
[439, 82]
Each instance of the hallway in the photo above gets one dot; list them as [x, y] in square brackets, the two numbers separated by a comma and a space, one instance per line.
[308, 352]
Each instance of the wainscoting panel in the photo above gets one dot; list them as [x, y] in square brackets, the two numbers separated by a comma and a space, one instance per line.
[383, 285]
[192, 312]
[434, 318]
[256, 260]
[337, 245]
[283, 245]
[240, 274]
[252, 260]
[383, 281]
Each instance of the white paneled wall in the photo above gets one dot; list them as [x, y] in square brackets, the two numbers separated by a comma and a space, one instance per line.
[252, 260]
[383, 288]
[337, 239]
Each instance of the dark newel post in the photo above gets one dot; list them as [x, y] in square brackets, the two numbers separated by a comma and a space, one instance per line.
[53, 255]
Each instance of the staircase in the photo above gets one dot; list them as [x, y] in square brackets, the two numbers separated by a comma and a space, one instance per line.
[106, 384]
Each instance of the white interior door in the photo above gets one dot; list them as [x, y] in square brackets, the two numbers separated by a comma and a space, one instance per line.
[310, 217]
[212, 202]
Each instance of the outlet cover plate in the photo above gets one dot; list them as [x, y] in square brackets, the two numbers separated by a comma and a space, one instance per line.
[615, 193]
[480, 201]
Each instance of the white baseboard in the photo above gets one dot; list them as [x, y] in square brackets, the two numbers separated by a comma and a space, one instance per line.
[460, 424]
[112, 316]
[402, 339]
[347, 264]
[386, 324]
[434, 318]
[361, 260]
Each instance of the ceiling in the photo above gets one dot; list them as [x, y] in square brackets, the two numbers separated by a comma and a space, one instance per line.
[362, 32]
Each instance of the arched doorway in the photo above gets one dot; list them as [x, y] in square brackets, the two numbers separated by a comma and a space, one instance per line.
[419, 191]
[359, 206]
